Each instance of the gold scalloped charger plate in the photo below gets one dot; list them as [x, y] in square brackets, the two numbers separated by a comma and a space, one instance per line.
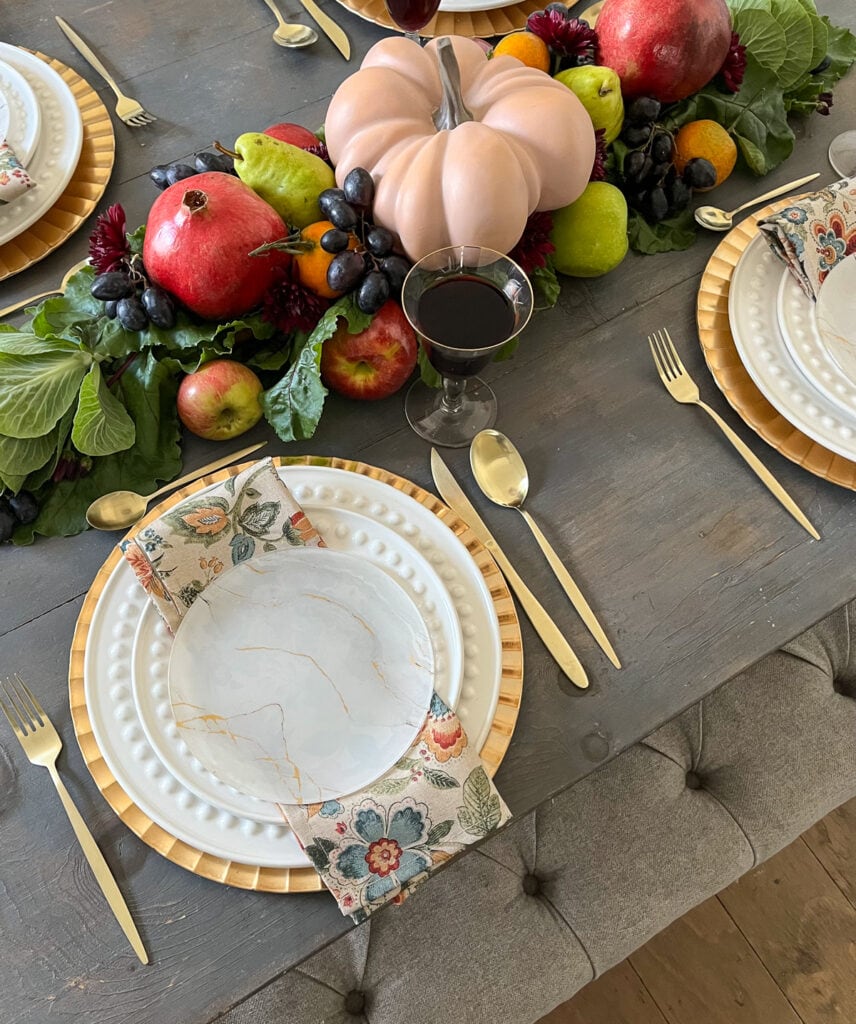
[86, 187]
[730, 374]
[480, 24]
[304, 879]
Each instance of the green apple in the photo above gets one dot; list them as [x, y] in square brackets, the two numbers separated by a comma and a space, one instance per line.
[590, 235]
[599, 91]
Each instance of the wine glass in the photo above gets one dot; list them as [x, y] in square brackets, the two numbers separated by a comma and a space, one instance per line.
[464, 302]
[411, 15]
[842, 154]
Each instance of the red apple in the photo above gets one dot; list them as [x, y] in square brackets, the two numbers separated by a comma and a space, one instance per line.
[374, 363]
[667, 49]
[293, 134]
[220, 400]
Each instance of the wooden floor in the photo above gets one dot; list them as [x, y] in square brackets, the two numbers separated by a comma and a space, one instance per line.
[776, 947]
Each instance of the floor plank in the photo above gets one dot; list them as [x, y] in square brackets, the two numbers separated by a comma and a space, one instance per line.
[833, 842]
[804, 930]
[701, 970]
[618, 997]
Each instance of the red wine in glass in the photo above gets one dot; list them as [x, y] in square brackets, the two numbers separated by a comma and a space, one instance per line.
[411, 15]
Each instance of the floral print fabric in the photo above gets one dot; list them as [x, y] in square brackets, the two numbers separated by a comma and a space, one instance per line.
[178, 555]
[814, 235]
[14, 180]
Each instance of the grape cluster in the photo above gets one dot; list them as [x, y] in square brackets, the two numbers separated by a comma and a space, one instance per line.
[165, 175]
[373, 269]
[652, 183]
[129, 298]
[16, 509]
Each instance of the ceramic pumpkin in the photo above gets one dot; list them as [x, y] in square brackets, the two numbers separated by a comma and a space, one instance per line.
[462, 149]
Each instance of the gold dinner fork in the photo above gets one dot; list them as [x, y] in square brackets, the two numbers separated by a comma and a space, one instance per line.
[683, 389]
[42, 744]
[131, 112]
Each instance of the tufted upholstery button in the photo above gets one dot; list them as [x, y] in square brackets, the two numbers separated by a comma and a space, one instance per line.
[693, 780]
[355, 1002]
[531, 885]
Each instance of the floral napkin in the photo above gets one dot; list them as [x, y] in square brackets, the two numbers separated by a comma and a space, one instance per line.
[14, 180]
[375, 845]
[815, 234]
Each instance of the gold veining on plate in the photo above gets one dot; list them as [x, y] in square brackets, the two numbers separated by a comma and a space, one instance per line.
[287, 880]
[732, 377]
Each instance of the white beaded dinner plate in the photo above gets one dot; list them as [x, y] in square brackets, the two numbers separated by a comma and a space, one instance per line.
[301, 676]
[343, 529]
[115, 721]
[758, 338]
[58, 150]
[20, 116]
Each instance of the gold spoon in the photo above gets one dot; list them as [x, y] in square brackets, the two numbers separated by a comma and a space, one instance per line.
[43, 295]
[119, 510]
[501, 473]
[714, 219]
[291, 35]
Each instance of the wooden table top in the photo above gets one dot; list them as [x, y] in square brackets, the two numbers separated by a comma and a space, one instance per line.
[695, 570]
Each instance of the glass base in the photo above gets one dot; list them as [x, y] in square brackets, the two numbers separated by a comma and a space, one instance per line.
[431, 417]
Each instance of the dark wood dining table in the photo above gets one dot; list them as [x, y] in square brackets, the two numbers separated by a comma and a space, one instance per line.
[694, 569]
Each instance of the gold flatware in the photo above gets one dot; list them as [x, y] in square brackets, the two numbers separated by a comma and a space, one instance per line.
[329, 27]
[288, 34]
[42, 745]
[714, 219]
[683, 389]
[556, 644]
[119, 510]
[501, 473]
[43, 295]
[127, 110]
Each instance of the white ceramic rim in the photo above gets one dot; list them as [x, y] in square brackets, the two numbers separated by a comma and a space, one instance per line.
[22, 135]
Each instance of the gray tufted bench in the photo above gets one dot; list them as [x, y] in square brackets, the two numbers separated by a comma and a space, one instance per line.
[510, 930]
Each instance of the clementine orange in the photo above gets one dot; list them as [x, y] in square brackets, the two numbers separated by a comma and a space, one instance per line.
[527, 48]
[312, 265]
[709, 140]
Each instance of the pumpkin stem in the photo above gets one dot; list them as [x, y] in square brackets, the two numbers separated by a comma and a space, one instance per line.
[452, 110]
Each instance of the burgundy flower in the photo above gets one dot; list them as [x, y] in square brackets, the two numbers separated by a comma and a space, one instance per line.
[598, 171]
[734, 66]
[291, 307]
[824, 103]
[108, 244]
[566, 37]
[534, 246]
[320, 149]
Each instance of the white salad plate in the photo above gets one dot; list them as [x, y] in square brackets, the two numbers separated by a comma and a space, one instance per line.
[109, 678]
[58, 149]
[836, 316]
[760, 343]
[20, 116]
[301, 676]
[822, 354]
[343, 529]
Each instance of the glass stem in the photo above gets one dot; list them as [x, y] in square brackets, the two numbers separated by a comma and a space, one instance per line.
[414, 37]
[453, 391]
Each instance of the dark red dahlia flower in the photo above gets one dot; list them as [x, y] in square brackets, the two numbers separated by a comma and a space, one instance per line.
[734, 66]
[566, 37]
[534, 246]
[291, 307]
[108, 245]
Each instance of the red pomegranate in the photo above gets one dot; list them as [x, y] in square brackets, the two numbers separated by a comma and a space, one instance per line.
[667, 49]
[199, 235]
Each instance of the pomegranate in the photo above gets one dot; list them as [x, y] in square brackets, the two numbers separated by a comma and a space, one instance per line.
[199, 236]
[667, 49]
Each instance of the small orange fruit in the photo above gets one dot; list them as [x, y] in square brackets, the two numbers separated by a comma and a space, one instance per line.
[312, 265]
[709, 140]
[527, 48]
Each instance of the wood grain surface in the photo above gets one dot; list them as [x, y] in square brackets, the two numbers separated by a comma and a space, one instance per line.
[693, 569]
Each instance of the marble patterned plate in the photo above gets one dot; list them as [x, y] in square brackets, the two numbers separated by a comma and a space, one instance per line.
[836, 322]
[20, 116]
[343, 529]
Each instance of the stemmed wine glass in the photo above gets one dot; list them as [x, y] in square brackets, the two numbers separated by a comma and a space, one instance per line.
[464, 302]
[411, 15]
[842, 154]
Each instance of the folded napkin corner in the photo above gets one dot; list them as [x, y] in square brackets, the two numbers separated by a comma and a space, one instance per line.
[14, 180]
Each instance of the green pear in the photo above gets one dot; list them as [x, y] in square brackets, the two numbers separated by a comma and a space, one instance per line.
[590, 235]
[286, 177]
[599, 91]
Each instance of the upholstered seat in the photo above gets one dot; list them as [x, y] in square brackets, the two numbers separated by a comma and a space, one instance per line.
[510, 930]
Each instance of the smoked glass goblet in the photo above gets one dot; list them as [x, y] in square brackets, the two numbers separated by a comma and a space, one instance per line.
[464, 302]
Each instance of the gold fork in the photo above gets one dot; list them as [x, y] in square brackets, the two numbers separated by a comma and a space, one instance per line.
[683, 389]
[42, 744]
[134, 115]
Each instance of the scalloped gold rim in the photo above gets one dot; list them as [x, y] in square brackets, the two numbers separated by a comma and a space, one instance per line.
[288, 880]
[481, 24]
[84, 190]
[732, 377]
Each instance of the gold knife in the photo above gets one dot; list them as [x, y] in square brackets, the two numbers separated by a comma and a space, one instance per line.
[329, 27]
[557, 645]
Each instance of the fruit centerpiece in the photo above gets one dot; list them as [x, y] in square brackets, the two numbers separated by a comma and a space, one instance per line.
[269, 272]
